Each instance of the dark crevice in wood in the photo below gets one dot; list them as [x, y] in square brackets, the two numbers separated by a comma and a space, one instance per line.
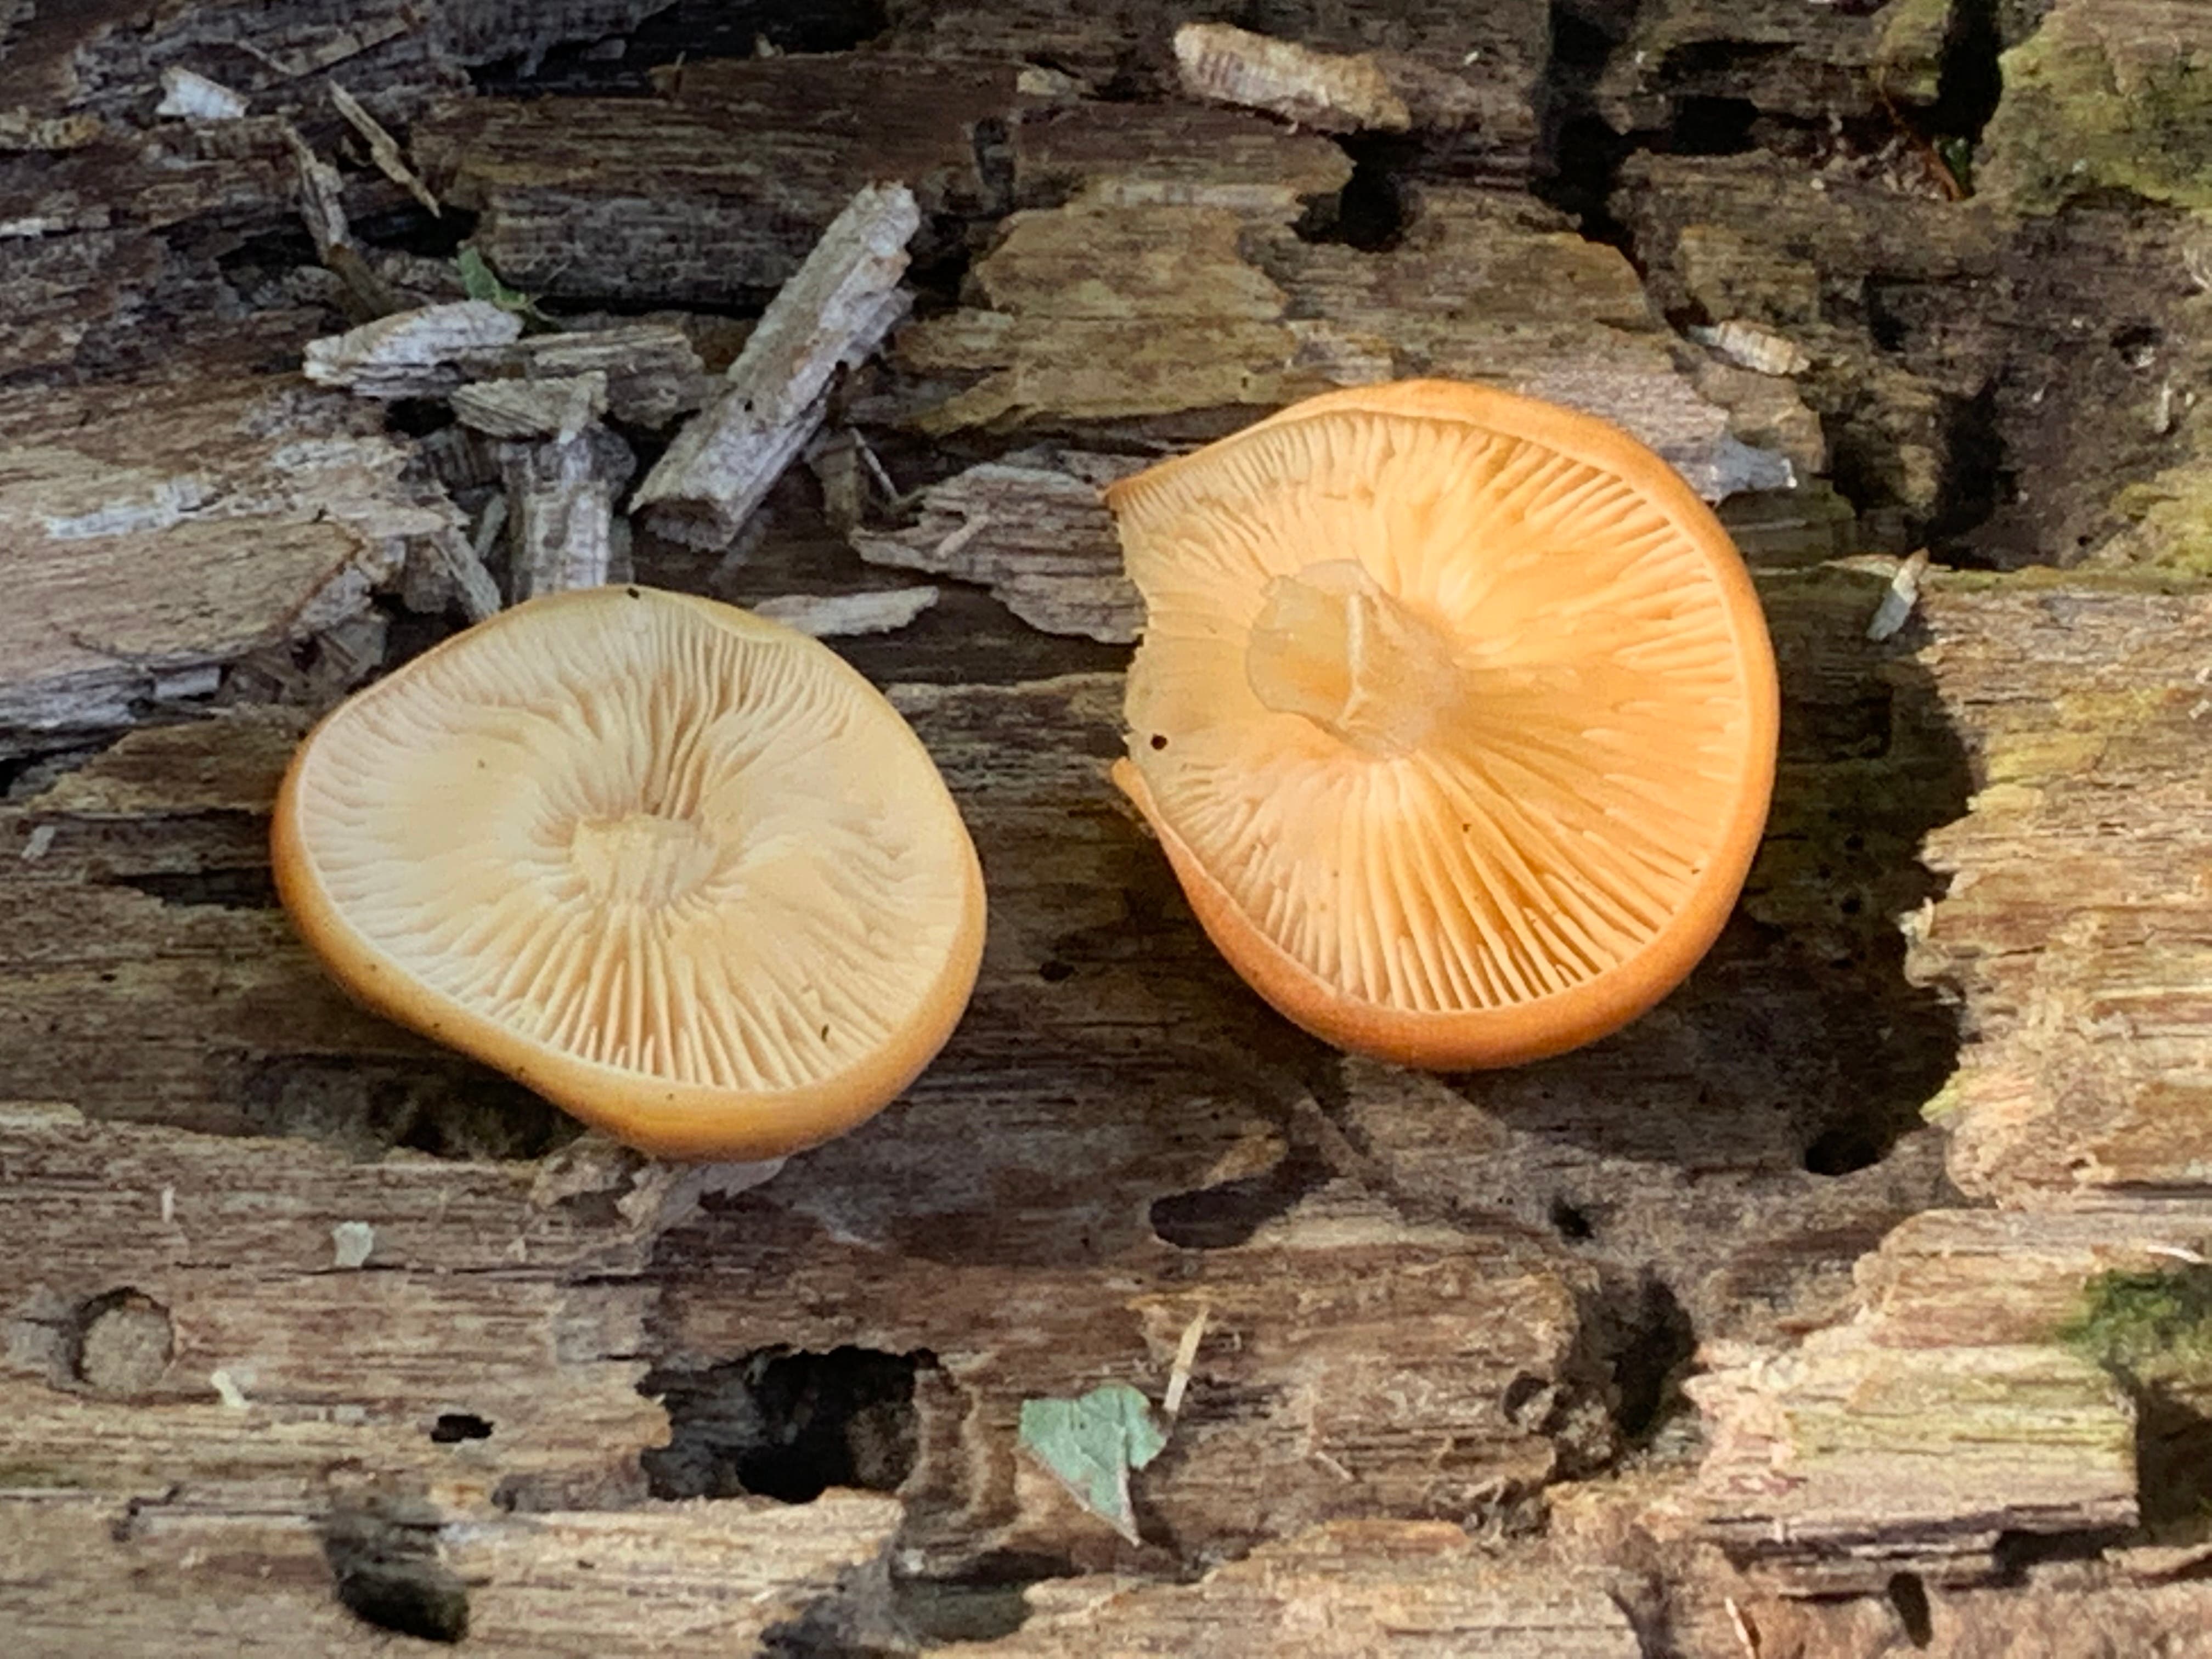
[1370, 213]
[1908, 1596]
[1579, 156]
[786, 1424]
[250, 889]
[689, 32]
[1221, 1217]
[440, 1105]
[981, 1604]
[1638, 1332]
[384, 1564]
[1970, 80]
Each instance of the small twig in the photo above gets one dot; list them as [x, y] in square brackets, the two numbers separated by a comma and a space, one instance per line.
[1185, 1356]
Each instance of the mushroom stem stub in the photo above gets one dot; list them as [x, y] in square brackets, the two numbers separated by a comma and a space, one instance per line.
[1331, 645]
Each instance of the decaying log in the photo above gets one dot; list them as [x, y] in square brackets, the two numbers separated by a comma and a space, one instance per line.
[1087, 321]
[2079, 937]
[1372, 1587]
[1948, 1414]
[717, 191]
[315, 1334]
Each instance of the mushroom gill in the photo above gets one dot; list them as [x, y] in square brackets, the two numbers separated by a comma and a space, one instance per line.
[1455, 712]
[677, 867]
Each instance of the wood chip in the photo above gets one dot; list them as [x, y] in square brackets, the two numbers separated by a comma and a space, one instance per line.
[832, 314]
[557, 407]
[1755, 346]
[196, 98]
[383, 149]
[1325, 91]
[831, 616]
[413, 354]
[563, 532]
[1904, 592]
[652, 370]
[1033, 530]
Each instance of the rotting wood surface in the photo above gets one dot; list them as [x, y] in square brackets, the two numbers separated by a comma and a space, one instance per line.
[1699, 1341]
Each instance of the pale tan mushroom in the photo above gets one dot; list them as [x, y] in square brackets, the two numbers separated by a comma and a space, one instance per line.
[1456, 714]
[679, 869]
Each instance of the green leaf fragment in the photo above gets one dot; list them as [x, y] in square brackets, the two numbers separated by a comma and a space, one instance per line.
[1091, 1445]
[480, 282]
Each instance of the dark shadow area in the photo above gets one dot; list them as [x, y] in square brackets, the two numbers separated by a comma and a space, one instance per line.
[1220, 1217]
[387, 1571]
[1639, 1334]
[1371, 212]
[442, 1105]
[1578, 156]
[249, 888]
[1908, 1598]
[786, 1424]
[1797, 1043]
[982, 1604]
[1970, 81]
[2151, 1330]
[454, 1427]
[2173, 1456]
[691, 31]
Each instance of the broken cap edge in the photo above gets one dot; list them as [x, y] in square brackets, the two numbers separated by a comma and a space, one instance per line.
[661, 1116]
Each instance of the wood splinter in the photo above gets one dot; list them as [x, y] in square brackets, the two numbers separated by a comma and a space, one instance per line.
[835, 312]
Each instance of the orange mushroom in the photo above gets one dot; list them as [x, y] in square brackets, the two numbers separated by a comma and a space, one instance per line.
[1455, 712]
[679, 869]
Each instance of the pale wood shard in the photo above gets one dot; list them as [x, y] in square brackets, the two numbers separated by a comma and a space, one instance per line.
[832, 616]
[446, 572]
[555, 406]
[1033, 529]
[413, 354]
[652, 371]
[562, 531]
[383, 149]
[197, 98]
[1327, 91]
[831, 315]
[270, 511]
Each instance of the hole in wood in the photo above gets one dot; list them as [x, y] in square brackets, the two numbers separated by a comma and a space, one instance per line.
[386, 1570]
[786, 1423]
[1908, 1596]
[452, 1427]
[121, 1343]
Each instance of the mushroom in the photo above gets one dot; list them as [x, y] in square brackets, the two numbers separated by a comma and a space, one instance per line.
[1454, 714]
[679, 869]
